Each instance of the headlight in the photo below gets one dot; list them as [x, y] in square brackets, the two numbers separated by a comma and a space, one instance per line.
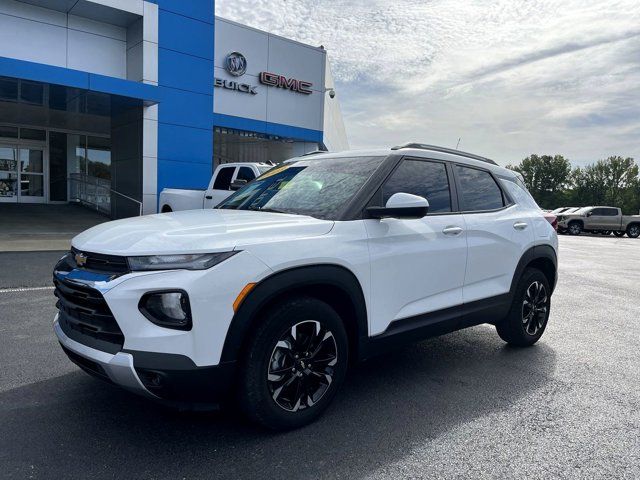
[168, 309]
[196, 261]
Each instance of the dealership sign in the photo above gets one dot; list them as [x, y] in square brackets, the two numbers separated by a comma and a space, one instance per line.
[280, 81]
[236, 64]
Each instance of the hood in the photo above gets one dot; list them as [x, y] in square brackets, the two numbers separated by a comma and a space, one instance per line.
[196, 231]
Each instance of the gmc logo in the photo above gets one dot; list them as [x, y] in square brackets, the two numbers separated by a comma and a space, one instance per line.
[280, 81]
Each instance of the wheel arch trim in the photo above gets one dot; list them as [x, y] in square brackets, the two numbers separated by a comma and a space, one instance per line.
[533, 254]
[287, 281]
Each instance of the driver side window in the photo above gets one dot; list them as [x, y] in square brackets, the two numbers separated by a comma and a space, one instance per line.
[424, 178]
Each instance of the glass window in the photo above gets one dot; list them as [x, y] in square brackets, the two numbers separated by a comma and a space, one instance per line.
[31, 185]
[479, 190]
[8, 172]
[33, 134]
[610, 212]
[99, 157]
[245, 173]
[31, 161]
[8, 89]
[8, 132]
[32, 92]
[423, 178]
[223, 179]
[319, 188]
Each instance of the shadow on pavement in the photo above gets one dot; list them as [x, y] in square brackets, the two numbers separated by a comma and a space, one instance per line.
[75, 426]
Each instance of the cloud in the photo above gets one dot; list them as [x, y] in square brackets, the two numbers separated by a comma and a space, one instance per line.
[510, 77]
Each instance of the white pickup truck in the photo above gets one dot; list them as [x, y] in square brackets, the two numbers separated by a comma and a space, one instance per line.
[226, 179]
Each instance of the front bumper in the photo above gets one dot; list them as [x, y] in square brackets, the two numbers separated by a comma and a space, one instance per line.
[172, 379]
[117, 368]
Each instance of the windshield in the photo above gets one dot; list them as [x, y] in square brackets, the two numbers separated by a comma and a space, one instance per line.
[264, 168]
[319, 188]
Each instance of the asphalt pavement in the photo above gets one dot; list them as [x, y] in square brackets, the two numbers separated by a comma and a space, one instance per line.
[462, 405]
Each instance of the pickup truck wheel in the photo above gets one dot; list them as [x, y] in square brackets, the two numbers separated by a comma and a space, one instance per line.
[529, 313]
[575, 228]
[633, 231]
[618, 233]
[294, 364]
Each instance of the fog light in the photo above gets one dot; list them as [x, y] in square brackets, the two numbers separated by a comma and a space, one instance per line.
[168, 309]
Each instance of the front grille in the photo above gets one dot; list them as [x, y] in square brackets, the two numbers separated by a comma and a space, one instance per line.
[99, 262]
[86, 318]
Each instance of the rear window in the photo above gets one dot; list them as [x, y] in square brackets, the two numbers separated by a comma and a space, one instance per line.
[223, 179]
[479, 191]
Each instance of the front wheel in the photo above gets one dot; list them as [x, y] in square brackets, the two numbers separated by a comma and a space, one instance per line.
[633, 231]
[529, 313]
[293, 364]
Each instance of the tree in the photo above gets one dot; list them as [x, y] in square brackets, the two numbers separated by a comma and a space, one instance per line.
[547, 177]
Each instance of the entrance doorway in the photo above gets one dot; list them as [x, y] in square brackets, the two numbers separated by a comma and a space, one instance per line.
[22, 174]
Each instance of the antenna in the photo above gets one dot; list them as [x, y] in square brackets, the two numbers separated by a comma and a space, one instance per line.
[458, 144]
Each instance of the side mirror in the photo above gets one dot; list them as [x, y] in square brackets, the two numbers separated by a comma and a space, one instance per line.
[237, 185]
[589, 214]
[400, 205]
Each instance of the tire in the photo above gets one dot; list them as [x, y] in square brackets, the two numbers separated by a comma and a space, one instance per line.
[575, 228]
[524, 326]
[633, 230]
[300, 390]
[618, 233]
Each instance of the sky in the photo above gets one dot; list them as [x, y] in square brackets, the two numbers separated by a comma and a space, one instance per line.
[508, 78]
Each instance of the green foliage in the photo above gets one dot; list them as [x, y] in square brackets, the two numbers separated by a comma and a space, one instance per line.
[553, 183]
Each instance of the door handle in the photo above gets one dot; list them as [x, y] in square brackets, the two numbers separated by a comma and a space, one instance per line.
[208, 197]
[453, 230]
[520, 225]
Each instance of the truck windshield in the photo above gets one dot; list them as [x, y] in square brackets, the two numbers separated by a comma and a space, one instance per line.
[318, 188]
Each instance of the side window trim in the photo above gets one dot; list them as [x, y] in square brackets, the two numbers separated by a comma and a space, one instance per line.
[507, 201]
[453, 199]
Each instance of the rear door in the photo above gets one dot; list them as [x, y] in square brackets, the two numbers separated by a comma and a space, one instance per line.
[611, 219]
[221, 187]
[498, 233]
[417, 265]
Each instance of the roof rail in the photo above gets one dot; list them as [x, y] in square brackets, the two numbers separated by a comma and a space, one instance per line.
[314, 152]
[423, 146]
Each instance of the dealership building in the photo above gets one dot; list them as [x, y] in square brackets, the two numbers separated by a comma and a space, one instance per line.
[107, 102]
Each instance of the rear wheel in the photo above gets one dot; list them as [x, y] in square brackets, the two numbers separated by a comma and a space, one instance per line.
[294, 364]
[618, 233]
[529, 313]
[633, 231]
[575, 228]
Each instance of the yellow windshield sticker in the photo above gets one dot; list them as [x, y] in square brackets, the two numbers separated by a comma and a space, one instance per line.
[274, 171]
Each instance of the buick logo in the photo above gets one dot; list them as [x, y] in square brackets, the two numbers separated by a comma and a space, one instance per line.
[236, 64]
[80, 259]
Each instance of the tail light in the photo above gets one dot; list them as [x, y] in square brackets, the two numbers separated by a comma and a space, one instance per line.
[552, 219]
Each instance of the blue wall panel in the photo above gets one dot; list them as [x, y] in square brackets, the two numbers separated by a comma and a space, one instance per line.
[174, 174]
[287, 131]
[195, 37]
[185, 77]
[186, 72]
[184, 144]
[198, 9]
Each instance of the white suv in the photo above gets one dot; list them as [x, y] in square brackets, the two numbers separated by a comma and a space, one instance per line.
[322, 261]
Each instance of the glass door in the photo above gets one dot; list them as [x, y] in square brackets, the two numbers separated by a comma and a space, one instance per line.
[31, 163]
[8, 174]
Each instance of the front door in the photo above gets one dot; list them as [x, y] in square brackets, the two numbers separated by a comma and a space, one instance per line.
[417, 265]
[31, 165]
[22, 171]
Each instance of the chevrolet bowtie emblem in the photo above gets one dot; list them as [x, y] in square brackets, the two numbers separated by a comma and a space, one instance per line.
[81, 259]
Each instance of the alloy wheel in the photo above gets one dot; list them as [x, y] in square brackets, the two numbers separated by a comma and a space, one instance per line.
[634, 231]
[534, 308]
[574, 229]
[301, 366]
